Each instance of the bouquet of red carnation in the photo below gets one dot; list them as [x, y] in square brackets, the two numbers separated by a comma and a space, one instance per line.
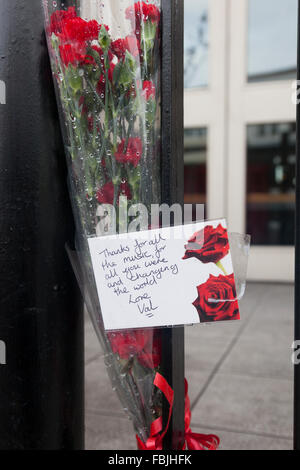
[106, 69]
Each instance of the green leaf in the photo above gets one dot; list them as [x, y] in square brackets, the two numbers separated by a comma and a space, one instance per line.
[89, 179]
[104, 39]
[73, 78]
[135, 176]
[54, 41]
[148, 31]
[93, 73]
[117, 72]
[130, 63]
[125, 78]
[151, 110]
[127, 71]
[116, 179]
[91, 52]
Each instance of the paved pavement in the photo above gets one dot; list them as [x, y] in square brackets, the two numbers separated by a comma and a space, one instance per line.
[240, 377]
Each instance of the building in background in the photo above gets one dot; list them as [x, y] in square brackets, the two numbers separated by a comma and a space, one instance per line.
[240, 63]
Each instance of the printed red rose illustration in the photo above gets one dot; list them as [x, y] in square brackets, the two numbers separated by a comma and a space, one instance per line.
[209, 245]
[217, 288]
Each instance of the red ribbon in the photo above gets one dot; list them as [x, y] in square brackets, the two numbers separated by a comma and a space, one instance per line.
[192, 441]
[154, 442]
[196, 441]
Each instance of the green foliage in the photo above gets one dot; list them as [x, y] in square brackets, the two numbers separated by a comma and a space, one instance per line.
[104, 39]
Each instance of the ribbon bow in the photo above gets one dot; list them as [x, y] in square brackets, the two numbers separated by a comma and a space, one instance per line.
[193, 441]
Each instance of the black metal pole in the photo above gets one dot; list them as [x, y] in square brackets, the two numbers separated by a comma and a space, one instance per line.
[297, 265]
[41, 321]
[172, 192]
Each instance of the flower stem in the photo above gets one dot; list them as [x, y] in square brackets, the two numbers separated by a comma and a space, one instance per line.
[220, 265]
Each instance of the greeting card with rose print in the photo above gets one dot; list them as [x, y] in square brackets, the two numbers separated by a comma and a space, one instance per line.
[165, 277]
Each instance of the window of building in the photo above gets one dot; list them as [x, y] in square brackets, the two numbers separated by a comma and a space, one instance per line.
[272, 39]
[271, 177]
[196, 43]
[195, 158]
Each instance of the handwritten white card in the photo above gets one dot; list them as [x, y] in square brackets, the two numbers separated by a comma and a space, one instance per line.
[165, 277]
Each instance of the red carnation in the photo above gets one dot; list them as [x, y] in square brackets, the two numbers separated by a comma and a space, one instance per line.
[101, 55]
[148, 90]
[71, 53]
[209, 245]
[101, 85]
[142, 11]
[84, 108]
[111, 71]
[59, 17]
[87, 60]
[90, 123]
[150, 12]
[219, 288]
[77, 29]
[98, 49]
[125, 191]
[92, 30]
[133, 152]
[118, 48]
[130, 44]
[105, 195]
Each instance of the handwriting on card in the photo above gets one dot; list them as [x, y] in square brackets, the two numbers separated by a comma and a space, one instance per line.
[131, 269]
